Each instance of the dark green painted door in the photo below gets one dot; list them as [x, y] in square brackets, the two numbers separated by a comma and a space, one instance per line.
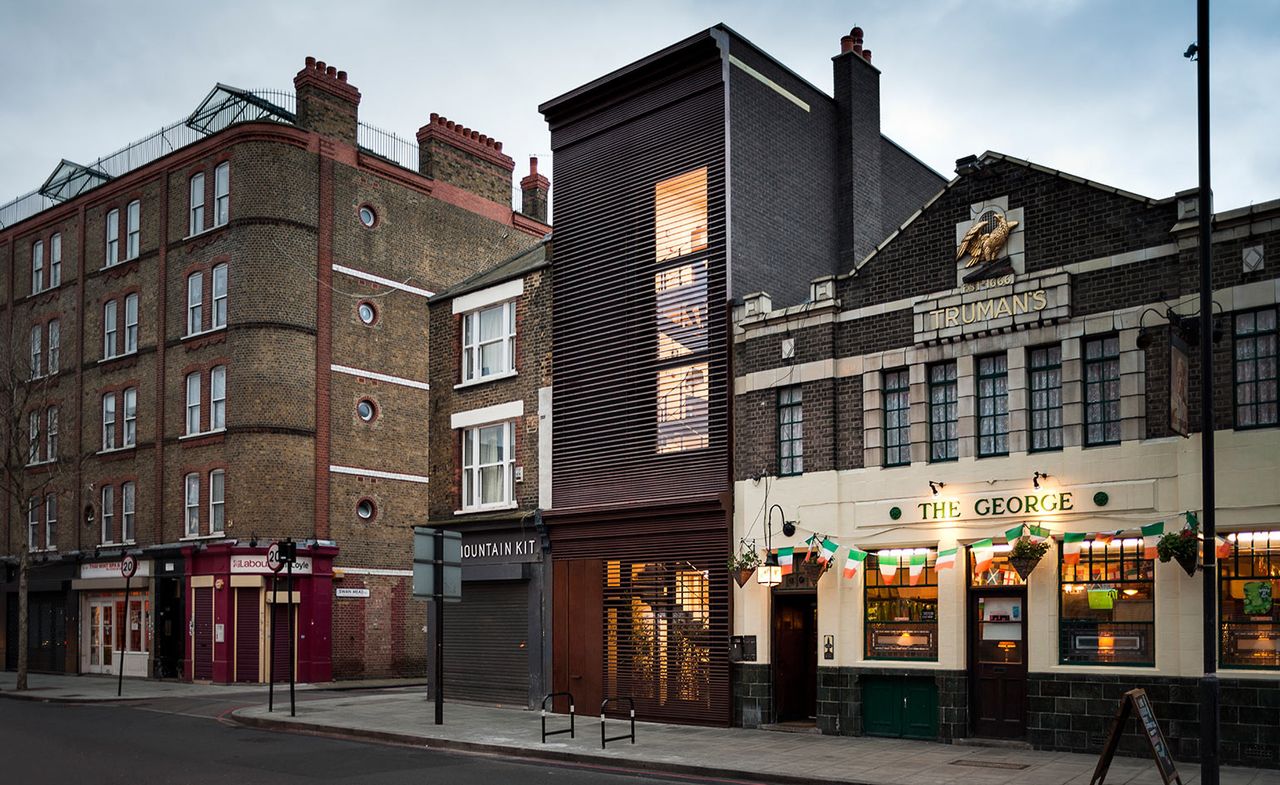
[900, 707]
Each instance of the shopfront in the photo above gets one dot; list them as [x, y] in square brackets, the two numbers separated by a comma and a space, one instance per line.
[51, 610]
[117, 621]
[239, 615]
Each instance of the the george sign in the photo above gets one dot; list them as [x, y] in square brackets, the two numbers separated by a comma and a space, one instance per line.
[257, 564]
[1137, 702]
[1179, 403]
[426, 561]
[350, 593]
[500, 548]
[128, 567]
[114, 569]
[1035, 504]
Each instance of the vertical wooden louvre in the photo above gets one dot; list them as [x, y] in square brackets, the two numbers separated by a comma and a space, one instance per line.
[248, 634]
[202, 646]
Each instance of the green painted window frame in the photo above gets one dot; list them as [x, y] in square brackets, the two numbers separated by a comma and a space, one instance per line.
[1105, 412]
[1252, 338]
[943, 381]
[875, 589]
[790, 402]
[1129, 552]
[993, 386]
[1044, 376]
[897, 399]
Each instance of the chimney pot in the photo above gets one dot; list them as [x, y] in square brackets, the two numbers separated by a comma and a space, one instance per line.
[320, 66]
[311, 62]
[866, 55]
[846, 44]
[331, 71]
[497, 146]
[856, 34]
[533, 164]
[342, 76]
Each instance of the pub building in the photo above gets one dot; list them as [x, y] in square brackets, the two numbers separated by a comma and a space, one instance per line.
[1020, 358]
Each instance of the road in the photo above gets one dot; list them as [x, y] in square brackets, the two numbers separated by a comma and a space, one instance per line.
[180, 741]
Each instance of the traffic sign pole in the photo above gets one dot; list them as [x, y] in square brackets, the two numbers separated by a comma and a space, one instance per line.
[438, 594]
[128, 566]
[292, 554]
[273, 563]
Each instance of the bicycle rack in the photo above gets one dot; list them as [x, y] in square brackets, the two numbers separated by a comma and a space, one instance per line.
[631, 735]
[568, 730]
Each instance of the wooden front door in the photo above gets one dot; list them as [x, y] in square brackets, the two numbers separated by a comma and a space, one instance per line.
[795, 656]
[577, 652]
[998, 662]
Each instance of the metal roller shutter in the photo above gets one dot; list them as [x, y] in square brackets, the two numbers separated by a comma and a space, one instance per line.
[202, 649]
[486, 646]
[248, 635]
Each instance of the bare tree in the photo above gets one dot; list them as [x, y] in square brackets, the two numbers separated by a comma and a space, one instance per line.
[32, 462]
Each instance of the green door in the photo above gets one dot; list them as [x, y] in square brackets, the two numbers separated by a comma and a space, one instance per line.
[900, 707]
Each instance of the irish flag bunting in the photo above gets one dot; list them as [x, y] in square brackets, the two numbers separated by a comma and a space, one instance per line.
[1014, 533]
[827, 550]
[916, 567]
[1223, 547]
[888, 566]
[946, 559]
[785, 556]
[1071, 542]
[854, 562]
[983, 550]
[1106, 537]
[1038, 533]
[1151, 536]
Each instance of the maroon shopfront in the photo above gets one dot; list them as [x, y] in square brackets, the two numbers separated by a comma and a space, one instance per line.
[231, 635]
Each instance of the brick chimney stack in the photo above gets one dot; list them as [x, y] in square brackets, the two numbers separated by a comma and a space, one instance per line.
[465, 158]
[857, 96]
[327, 103]
[534, 189]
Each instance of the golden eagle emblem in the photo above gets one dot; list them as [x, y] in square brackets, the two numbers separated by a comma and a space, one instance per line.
[985, 239]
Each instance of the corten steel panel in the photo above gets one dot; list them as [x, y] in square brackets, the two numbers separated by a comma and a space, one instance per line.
[577, 639]
[605, 328]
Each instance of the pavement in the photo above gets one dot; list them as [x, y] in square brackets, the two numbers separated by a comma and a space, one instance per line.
[398, 711]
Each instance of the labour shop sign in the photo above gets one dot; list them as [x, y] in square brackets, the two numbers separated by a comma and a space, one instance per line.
[113, 569]
[500, 547]
[258, 564]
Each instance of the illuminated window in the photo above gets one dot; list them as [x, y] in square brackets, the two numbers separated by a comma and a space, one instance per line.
[681, 294]
[1250, 616]
[1107, 612]
[944, 429]
[682, 408]
[1102, 391]
[1255, 365]
[1045, 373]
[997, 572]
[901, 618]
[680, 215]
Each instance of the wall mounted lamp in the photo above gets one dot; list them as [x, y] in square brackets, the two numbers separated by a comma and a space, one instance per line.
[935, 485]
[1037, 477]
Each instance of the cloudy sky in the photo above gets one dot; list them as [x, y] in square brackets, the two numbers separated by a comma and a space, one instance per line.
[1095, 87]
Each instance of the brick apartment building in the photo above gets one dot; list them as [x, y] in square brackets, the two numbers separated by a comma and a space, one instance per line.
[924, 407]
[222, 333]
[686, 180]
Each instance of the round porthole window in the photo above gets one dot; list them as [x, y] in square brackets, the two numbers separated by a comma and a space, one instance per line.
[366, 410]
[366, 509]
[367, 216]
[368, 314]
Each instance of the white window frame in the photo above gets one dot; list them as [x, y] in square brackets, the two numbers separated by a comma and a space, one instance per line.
[219, 284]
[110, 317]
[113, 238]
[107, 513]
[218, 398]
[217, 501]
[472, 488]
[128, 502]
[472, 345]
[109, 421]
[51, 434]
[33, 523]
[55, 260]
[37, 266]
[54, 358]
[131, 323]
[193, 403]
[195, 220]
[222, 194]
[33, 437]
[130, 400]
[133, 230]
[51, 522]
[37, 349]
[195, 303]
[191, 504]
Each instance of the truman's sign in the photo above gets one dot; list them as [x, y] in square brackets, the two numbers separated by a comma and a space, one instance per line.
[998, 304]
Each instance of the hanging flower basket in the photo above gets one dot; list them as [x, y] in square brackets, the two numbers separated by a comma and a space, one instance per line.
[742, 565]
[1026, 554]
[1187, 561]
[1180, 546]
[1023, 565]
[812, 569]
[743, 575]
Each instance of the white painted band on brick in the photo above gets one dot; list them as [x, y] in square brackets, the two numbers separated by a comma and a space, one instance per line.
[374, 571]
[772, 85]
[504, 291]
[380, 475]
[404, 287]
[487, 414]
[382, 377]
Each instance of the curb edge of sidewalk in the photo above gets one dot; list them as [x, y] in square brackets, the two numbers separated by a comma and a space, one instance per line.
[525, 753]
[26, 696]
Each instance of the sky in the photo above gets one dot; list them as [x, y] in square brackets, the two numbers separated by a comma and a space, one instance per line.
[1098, 88]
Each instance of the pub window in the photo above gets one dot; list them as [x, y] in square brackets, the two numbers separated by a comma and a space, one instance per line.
[1249, 615]
[897, 418]
[997, 571]
[944, 434]
[680, 215]
[790, 430]
[1046, 397]
[1255, 365]
[1107, 611]
[993, 405]
[682, 408]
[901, 618]
[1102, 391]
